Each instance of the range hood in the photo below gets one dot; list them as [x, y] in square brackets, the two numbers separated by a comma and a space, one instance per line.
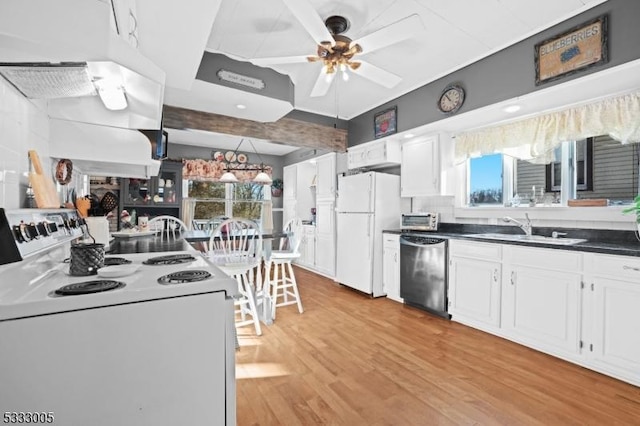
[47, 45]
[101, 150]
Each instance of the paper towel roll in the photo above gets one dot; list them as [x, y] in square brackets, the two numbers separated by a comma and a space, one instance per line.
[99, 229]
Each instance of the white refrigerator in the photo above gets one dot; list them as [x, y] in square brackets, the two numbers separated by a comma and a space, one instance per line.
[367, 204]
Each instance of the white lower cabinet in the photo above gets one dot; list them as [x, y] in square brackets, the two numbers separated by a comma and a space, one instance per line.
[542, 308]
[582, 307]
[474, 283]
[391, 266]
[542, 298]
[612, 343]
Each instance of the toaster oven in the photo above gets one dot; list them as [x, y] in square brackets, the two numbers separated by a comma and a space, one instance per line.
[419, 222]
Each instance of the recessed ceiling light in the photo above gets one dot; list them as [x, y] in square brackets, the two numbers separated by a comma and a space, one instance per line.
[241, 106]
[512, 108]
[409, 135]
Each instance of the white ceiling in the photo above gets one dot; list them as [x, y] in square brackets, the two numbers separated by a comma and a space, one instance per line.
[457, 33]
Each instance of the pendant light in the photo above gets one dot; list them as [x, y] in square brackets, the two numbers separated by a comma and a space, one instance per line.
[228, 177]
[261, 178]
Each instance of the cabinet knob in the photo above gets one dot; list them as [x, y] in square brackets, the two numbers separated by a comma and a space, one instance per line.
[495, 275]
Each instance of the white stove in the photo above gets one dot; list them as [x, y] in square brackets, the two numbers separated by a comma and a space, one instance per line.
[30, 288]
[151, 347]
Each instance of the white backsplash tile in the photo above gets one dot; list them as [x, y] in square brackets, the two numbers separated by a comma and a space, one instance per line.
[24, 125]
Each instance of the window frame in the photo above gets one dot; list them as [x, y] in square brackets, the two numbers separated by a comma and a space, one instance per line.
[587, 172]
[230, 197]
[508, 182]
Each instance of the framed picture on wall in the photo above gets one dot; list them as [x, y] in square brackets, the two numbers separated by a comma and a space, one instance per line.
[581, 47]
[385, 122]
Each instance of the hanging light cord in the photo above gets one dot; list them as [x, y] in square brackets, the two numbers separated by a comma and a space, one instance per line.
[259, 156]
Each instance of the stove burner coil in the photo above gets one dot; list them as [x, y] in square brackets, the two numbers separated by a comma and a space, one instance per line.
[180, 277]
[111, 261]
[88, 287]
[172, 259]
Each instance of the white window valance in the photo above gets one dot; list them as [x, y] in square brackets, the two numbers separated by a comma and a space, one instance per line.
[535, 138]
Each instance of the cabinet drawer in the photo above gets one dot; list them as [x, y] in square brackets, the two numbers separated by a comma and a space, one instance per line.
[391, 240]
[545, 258]
[615, 266]
[477, 250]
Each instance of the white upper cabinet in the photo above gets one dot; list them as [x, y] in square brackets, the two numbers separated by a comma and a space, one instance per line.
[382, 153]
[420, 175]
[290, 180]
[326, 177]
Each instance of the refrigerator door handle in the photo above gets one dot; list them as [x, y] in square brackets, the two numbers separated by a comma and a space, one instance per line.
[368, 225]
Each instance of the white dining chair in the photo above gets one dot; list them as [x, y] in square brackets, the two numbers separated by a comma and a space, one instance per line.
[283, 285]
[169, 226]
[235, 246]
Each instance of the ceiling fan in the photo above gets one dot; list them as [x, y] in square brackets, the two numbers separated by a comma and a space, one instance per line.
[338, 52]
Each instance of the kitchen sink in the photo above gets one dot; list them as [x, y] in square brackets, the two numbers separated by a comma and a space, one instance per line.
[528, 238]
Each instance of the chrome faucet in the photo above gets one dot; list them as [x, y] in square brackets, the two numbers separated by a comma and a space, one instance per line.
[526, 227]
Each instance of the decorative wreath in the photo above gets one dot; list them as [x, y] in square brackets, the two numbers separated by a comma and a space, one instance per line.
[64, 170]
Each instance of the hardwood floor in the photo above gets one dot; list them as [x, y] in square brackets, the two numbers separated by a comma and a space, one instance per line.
[353, 360]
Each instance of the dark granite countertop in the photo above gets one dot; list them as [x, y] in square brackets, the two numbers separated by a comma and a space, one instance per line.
[622, 243]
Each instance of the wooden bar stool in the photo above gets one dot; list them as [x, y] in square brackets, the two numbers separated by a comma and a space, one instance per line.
[283, 285]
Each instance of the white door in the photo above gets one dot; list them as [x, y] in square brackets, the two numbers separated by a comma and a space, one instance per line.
[391, 266]
[289, 210]
[355, 193]
[420, 168]
[326, 176]
[355, 250]
[325, 237]
[474, 291]
[290, 181]
[541, 307]
[616, 341]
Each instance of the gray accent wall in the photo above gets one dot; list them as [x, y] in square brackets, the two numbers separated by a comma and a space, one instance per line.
[508, 73]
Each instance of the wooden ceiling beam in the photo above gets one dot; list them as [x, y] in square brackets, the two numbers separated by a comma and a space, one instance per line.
[286, 131]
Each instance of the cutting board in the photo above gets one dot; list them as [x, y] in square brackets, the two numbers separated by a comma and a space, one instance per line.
[589, 202]
[44, 189]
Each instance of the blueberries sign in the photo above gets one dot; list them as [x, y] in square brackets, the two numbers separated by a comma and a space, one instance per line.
[579, 48]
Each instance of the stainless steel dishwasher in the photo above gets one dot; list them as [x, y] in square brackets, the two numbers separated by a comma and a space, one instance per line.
[423, 273]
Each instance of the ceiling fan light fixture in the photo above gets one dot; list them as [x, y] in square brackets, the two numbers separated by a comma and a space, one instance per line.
[345, 75]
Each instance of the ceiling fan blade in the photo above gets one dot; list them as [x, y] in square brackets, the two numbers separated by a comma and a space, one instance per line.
[310, 20]
[279, 60]
[377, 75]
[322, 84]
[398, 31]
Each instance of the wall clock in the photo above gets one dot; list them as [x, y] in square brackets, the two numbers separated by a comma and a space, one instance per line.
[451, 99]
